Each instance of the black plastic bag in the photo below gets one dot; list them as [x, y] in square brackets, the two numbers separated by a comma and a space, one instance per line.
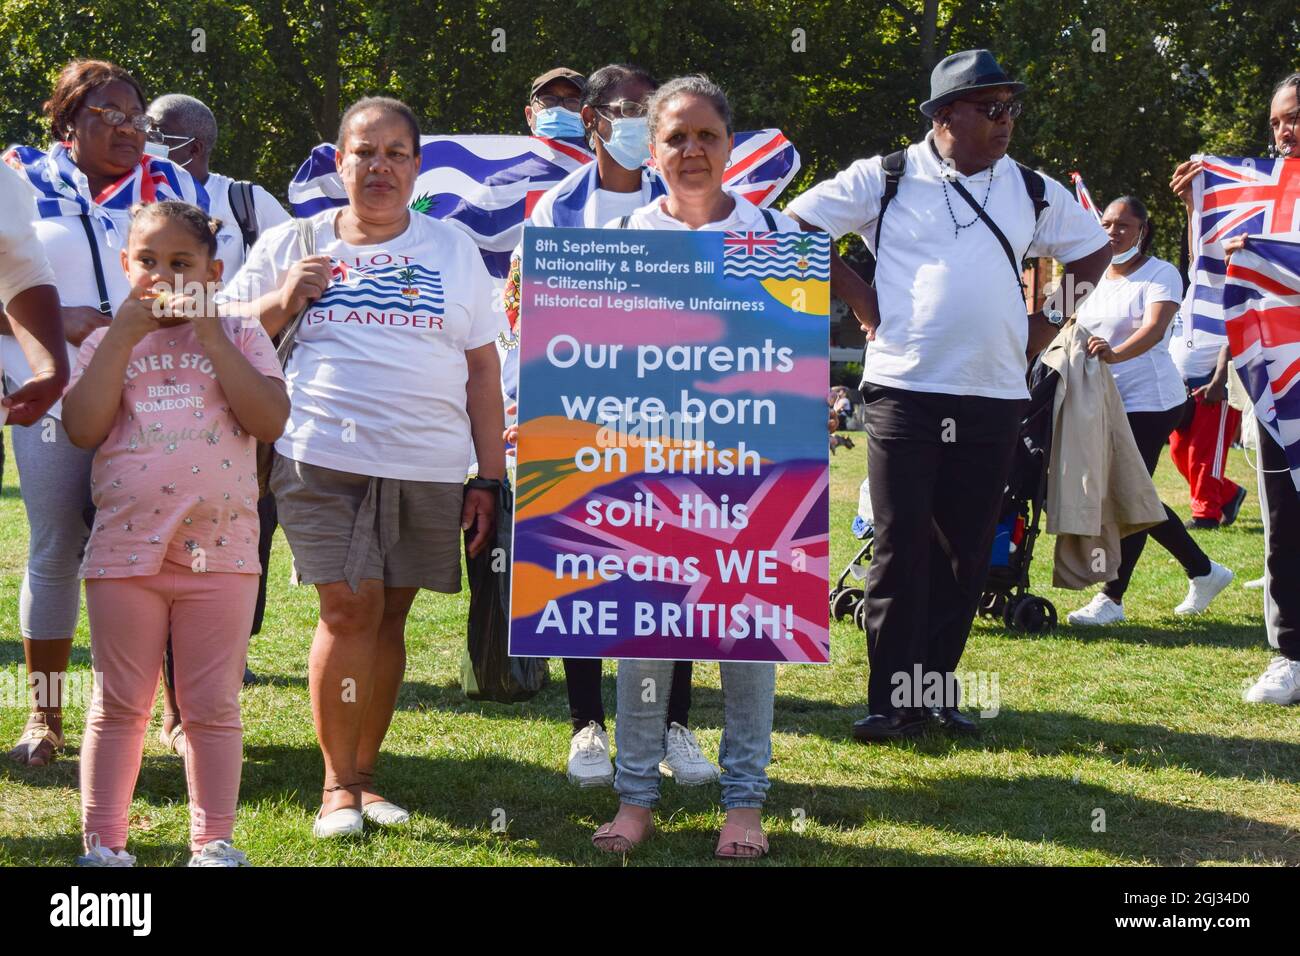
[487, 671]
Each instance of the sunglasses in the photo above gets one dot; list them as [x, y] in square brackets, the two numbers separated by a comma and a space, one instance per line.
[549, 102]
[993, 109]
[140, 122]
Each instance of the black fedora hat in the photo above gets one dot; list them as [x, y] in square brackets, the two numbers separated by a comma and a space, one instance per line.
[963, 72]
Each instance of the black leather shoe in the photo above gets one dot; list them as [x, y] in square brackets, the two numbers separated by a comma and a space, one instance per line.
[955, 722]
[1231, 509]
[250, 679]
[885, 727]
[1202, 524]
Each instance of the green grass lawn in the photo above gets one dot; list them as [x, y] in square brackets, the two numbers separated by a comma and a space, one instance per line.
[1143, 722]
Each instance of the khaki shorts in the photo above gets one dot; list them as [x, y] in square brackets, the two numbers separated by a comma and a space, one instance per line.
[346, 527]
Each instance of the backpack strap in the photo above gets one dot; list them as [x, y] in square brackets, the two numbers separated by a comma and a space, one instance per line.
[769, 219]
[307, 241]
[893, 165]
[243, 205]
[1036, 188]
[623, 221]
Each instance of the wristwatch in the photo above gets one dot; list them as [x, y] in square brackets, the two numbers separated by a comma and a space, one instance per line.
[1054, 317]
[487, 484]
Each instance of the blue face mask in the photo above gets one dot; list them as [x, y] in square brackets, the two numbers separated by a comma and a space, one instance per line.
[629, 142]
[558, 123]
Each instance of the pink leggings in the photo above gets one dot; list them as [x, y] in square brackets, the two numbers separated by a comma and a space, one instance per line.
[208, 617]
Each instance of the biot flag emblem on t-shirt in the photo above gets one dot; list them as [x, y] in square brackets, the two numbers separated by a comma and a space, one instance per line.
[1235, 196]
[1261, 308]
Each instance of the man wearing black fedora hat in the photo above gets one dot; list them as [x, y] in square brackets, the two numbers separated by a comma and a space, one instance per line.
[949, 221]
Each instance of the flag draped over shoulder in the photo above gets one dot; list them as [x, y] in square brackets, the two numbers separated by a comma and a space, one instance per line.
[487, 185]
[1085, 198]
[1261, 309]
[1235, 196]
[63, 190]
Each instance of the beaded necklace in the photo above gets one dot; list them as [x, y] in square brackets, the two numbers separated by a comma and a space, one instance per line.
[959, 226]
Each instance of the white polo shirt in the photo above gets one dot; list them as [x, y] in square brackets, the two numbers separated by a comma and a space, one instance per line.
[952, 315]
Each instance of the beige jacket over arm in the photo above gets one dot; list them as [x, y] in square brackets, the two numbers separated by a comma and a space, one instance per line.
[1098, 489]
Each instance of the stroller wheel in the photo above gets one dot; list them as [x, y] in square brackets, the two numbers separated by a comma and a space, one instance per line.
[844, 602]
[993, 604]
[1033, 615]
[860, 616]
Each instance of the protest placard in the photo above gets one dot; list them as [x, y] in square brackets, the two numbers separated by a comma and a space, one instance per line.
[672, 497]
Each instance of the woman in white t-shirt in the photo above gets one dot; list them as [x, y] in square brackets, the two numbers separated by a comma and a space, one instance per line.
[690, 139]
[394, 389]
[1129, 316]
[613, 116]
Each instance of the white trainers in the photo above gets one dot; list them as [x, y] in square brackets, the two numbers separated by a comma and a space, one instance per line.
[684, 761]
[1255, 585]
[589, 764]
[1100, 610]
[218, 853]
[1279, 684]
[1201, 591]
[385, 814]
[102, 856]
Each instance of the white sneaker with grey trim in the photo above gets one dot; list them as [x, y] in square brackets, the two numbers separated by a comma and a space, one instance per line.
[589, 764]
[1100, 610]
[1201, 591]
[102, 856]
[1279, 684]
[684, 761]
[218, 853]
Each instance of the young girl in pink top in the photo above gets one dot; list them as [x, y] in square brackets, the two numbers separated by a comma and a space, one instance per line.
[175, 397]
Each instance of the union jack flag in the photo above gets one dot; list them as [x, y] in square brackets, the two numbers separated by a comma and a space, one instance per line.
[1261, 307]
[1084, 197]
[1235, 196]
[748, 243]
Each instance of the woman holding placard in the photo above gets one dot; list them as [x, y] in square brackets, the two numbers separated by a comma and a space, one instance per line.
[616, 184]
[690, 132]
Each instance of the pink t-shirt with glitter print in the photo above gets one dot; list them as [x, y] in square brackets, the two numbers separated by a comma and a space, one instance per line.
[176, 478]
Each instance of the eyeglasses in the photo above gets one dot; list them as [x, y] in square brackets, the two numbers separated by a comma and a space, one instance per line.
[156, 135]
[993, 109]
[549, 102]
[623, 109]
[140, 122]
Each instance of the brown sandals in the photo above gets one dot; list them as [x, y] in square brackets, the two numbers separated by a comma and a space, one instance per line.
[38, 744]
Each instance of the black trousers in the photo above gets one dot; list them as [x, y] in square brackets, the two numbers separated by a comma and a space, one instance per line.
[1282, 546]
[1150, 432]
[937, 468]
[267, 521]
[582, 676]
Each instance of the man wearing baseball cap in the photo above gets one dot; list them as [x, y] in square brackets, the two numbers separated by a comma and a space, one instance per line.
[555, 104]
[949, 221]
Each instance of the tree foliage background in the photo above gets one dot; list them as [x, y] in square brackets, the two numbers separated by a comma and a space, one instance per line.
[1120, 90]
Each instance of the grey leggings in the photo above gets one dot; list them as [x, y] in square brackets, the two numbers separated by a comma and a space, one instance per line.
[55, 479]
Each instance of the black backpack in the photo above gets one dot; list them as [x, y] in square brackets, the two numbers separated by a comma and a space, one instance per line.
[243, 205]
[896, 162]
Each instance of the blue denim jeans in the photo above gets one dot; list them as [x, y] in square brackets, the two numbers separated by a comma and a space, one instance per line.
[748, 690]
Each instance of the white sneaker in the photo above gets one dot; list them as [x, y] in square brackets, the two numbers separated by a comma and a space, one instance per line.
[218, 853]
[1100, 610]
[684, 761]
[589, 764]
[1279, 684]
[1201, 591]
[102, 856]
[1254, 585]
[340, 823]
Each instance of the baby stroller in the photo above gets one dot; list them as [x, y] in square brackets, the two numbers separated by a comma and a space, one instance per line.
[1006, 592]
[850, 589]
